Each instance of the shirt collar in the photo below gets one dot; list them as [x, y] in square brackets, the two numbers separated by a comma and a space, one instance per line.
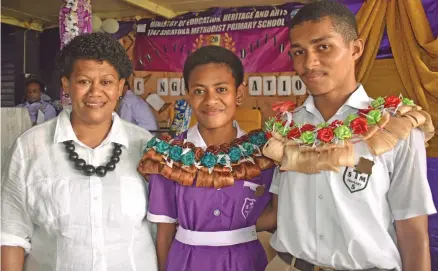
[195, 137]
[64, 130]
[358, 100]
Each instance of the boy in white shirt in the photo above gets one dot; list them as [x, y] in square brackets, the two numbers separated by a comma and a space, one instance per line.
[348, 220]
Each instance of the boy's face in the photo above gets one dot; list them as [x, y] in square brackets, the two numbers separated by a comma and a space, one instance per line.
[321, 56]
[213, 95]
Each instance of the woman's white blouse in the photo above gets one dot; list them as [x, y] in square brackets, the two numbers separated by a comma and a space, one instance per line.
[68, 221]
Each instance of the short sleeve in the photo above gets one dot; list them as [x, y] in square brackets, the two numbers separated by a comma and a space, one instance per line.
[162, 200]
[16, 224]
[276, 178]
[409, 194]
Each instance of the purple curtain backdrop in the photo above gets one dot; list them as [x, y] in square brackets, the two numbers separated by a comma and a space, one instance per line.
[432, 174]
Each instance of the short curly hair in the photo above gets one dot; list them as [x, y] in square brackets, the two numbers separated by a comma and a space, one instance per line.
[94, 46]
[344, 21]
[214, 54]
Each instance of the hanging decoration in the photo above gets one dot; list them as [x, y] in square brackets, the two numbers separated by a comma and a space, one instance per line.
[110, 26]
[74, 20]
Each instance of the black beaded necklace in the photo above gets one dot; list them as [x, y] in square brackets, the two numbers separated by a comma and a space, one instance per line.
[90, 170]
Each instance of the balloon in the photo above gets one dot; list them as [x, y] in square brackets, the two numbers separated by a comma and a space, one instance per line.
[96, 23]
[110, 26]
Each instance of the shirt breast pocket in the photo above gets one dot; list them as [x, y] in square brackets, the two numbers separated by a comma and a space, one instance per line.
[368, 178]
[49, 199]
[250, 196]
[133, 197]
[254, 188]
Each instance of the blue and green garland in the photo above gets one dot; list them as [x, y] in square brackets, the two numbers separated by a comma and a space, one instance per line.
[186, 156]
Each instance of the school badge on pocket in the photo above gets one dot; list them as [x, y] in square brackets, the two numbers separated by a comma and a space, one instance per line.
[356, 179]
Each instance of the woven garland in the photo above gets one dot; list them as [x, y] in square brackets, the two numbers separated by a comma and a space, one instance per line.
[310, 148]
[217, 166]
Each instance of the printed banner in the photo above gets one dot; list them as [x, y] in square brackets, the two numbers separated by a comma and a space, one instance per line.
[258, 35]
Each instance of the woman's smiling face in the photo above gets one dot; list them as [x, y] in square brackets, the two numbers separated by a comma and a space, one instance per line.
[94, 88]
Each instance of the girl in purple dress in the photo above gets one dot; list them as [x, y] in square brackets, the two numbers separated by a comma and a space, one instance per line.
[210, 223]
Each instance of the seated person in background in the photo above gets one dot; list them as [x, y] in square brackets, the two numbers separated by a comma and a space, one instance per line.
[135, 110]
[34, 103]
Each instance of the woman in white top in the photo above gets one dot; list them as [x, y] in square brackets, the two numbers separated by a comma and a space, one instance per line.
[71, 195]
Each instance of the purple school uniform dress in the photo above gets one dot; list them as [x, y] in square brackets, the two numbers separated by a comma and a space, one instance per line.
[211, 210]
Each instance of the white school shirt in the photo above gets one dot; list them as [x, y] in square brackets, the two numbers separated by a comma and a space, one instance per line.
[194, 136]
[345, 220]
[67, 221]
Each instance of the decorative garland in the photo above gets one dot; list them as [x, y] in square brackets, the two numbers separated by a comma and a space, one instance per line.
[182, 161]
[310, 149]
[354, 126]
[292, 146]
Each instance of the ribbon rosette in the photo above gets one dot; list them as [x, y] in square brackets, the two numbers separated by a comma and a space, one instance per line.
[343, 132]
[392, 102]
[350, 118]
[308, 137]
[175, 153]
[234, 154]
[359, 125]
[188, 158]
[162, 147]
[249, 148]
[378, 102]
[407, 101]
[151, 143]
[326, 135]
[208, 160]
[373, 117]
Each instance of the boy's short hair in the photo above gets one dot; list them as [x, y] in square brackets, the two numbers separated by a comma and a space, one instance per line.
[214, 54]
[344, 21]
[127, 84]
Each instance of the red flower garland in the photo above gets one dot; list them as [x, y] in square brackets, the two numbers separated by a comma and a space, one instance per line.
[359, 125]
[326, 134]
[392, 101]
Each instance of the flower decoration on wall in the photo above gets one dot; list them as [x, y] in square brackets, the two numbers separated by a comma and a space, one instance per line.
[74, 19]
